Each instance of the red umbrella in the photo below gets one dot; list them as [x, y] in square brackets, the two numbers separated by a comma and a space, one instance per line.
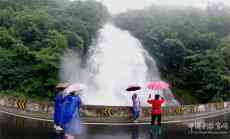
[133, 88]
[158, 85]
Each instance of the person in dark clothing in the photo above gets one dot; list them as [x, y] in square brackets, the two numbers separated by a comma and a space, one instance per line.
[156, 108]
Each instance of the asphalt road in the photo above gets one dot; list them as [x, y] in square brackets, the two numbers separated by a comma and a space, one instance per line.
[19, 128]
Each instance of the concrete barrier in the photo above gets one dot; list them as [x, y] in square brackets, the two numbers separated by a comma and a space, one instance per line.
[126, 112]
[118, 113]
[32, 106]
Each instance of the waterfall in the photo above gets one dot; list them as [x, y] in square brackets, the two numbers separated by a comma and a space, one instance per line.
[115, 61]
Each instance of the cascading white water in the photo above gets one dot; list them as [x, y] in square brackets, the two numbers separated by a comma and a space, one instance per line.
[116, 61]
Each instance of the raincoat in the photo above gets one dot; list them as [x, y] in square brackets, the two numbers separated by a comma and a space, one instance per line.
[71, 115]
[58, 108]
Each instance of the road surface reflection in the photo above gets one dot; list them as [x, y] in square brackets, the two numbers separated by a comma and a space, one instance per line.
[19, 128]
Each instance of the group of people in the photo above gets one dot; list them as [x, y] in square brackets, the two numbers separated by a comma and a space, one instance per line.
[156, 108]
[67, 113]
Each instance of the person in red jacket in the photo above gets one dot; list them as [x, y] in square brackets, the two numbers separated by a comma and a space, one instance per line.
[156, 108]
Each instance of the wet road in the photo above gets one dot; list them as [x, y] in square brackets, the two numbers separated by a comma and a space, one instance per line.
[19, 128]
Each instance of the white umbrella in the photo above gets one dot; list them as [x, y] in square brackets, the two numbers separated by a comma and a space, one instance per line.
[76, 87]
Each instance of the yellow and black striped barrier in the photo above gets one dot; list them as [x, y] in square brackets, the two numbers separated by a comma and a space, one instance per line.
[21, 104]
[108, 112]
[180, 110]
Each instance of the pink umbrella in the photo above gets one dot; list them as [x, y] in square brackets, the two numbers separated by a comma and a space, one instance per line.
[158, 85]
[74, 88]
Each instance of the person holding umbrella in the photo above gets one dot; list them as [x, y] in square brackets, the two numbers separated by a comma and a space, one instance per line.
[136, 107]
[72, 115]
[135, 101]
[158, 101]
[156, 108]
[156, 104]
[71, 111]
[58, 105]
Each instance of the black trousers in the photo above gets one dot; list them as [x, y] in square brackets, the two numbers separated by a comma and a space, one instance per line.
[158, 119]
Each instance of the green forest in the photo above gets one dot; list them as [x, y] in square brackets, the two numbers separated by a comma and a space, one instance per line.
[33, 36]
[191, 46]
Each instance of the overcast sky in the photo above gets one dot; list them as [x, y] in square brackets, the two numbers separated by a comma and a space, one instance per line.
[119, 6]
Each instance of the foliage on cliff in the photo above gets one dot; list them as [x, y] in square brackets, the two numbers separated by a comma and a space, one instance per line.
[33, 36]
[191, 47]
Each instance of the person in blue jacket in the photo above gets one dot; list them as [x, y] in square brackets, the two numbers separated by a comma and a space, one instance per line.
[58, 109]
[71, 115]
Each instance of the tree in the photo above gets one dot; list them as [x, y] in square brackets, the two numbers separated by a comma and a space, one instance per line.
[190, 47]
[200, 42]
[173, 52]
[205, 75]
[33, 36]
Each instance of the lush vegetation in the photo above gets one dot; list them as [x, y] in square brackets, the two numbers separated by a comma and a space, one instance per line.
[33, 35]
[191, 47]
